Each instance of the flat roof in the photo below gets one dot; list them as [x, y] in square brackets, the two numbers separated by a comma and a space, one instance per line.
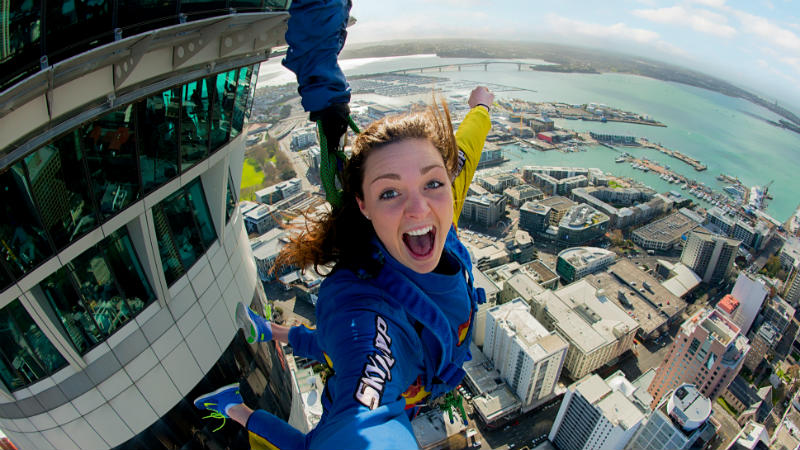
[637, 293]
[608, 397]
[494, 398]
[531, 335]
[557, 202]
[541, 270]
[728, 304]
[684, 280]
[525, 286]
[668, 229]
[580, 257]
[585, 320]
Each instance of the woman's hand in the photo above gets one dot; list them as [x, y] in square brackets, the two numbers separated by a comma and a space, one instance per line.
[480, 96]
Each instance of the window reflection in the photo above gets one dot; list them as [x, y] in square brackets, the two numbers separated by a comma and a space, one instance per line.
[73, 26]
[194, 124]
[23, 244]
[222, 98]
[183, 228]
[242, 90]
[158, 116]
[230, 201]
[99, 291]
[110, 145]
[26, 354]
[58, 182]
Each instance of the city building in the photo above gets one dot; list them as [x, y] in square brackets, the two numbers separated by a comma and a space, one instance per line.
[640, 295]
[791, 290]
[666, 233]
[492, 291]
[518, 195]
[790, 252]
[597, 330]
[280, 191]
[433, 430]
[752, 235]
[534, 217]
[709, 255]
[528, 356]
[743, 304]
[624, 206]
[485, 210]
[680, 421]
[559, 205]
[754, 436]
[521, 284]
[599, 414]
[260, 219]
[265, 250]
[581, 224]
[491, 155]
[494, 401]
[777, 312]
[543, 274]
[497, 184]
[520, 247]
[118, 297]
[576, 262]
[708, 351]
[307, 388]
[558, 180]
[679, 279]
[303, 139]
[761, 345]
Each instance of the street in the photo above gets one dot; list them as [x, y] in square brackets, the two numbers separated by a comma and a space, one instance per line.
[524, 429]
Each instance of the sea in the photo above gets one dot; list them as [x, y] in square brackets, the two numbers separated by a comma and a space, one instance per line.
[729, 135]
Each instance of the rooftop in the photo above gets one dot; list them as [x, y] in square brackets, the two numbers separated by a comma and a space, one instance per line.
[728, 304]
[580, 257]
[683, 281]
[613, 397]
[688, 406]
[532, 336]
[668, 229]
[638, 294]
[587, 321]
[541, 272]
[558, 203]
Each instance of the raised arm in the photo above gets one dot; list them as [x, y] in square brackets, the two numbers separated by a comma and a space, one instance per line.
[470, 137]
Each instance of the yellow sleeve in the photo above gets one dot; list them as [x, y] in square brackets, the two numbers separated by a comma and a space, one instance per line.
[470, 137]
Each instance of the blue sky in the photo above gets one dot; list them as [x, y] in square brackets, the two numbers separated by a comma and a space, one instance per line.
[754, 44]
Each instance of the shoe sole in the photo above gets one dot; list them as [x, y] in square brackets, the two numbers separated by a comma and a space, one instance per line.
[211, 394]
[244, 322]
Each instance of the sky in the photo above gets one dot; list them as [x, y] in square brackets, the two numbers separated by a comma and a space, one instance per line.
[754, 44]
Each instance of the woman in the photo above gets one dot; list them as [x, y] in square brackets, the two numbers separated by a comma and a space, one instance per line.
[395, 314]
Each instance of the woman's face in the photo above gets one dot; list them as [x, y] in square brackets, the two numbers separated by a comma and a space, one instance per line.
[408, 199]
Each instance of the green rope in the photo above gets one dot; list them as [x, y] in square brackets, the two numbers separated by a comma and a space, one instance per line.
[331, 164]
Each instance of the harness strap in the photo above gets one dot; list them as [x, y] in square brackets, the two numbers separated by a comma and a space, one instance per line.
[331, 165]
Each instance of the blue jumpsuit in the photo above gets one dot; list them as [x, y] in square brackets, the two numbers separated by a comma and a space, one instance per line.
[392, 340]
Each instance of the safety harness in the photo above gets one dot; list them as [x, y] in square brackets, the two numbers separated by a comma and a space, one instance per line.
[331, 164]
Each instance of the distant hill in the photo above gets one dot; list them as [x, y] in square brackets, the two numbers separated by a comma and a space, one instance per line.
[568, 59]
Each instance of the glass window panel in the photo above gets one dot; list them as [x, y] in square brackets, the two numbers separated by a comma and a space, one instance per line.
[99, 291]
[251, 93]
[111, 156]
[167, 248]
[222, 97]
[194, 124]
[197, 202]
[23, 244]
[26, 351]
[230, 204]
[158, 159]
[59, 184]
[239, 103]
[128, 272]
[75, 25]
[5, 280]
[19, 45]
[137, 16]
[183, 228]
[77, 319]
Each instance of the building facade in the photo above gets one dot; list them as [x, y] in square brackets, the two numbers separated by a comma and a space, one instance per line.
[124, 252]
[577, 262]
[581, 224]
[680, 421]
[485, 210]
[708, 352]
[709, 255]
[598, 414]
[528, 356]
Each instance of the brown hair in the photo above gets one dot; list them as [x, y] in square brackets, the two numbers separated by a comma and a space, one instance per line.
[343, 236]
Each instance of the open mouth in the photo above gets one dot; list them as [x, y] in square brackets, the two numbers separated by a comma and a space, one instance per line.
[420, 242]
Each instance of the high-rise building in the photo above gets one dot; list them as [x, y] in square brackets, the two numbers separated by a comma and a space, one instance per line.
[709, 255]
[485, 210]
[743, 304]
[599, 414]
[679, 422]
[528, 356]
[791, 291]
[708, 352]
[123, 252]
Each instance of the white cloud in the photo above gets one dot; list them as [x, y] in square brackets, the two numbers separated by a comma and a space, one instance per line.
[768, 31]
[792, 62]
[712, 3]
[700, 20]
